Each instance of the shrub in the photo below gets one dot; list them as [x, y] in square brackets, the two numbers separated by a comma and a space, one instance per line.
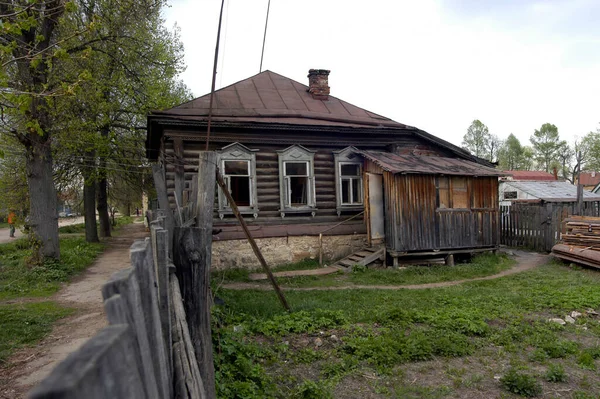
[521, 384]
[586, 361]
[312, 390]
[556, 373]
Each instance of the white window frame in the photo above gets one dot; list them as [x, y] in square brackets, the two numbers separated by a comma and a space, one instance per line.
[345, 157]
[296, 154]
[238, 152]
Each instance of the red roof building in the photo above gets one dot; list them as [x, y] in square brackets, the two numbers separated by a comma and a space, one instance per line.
[590, 179]
[529, 175]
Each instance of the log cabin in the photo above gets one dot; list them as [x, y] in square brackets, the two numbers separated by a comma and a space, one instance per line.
[311, 172]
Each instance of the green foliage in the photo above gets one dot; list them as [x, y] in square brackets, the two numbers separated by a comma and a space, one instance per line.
[519, 383]
[312, 390]
[359, 268]
[25, 324]
[546, 145]
[18, 277]
[513, 156]
[477, 139]
[585, 360]
[555, 373]
[301, 322]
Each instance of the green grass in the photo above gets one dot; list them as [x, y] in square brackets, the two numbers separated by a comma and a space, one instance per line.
[480, 266]
[18, 279]
[490, 322]
[25, 324]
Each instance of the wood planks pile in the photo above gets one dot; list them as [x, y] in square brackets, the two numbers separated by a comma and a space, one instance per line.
[580, 242]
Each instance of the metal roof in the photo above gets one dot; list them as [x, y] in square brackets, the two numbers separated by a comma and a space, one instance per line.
[552, 191]
[269, 97]
[427, 164]
[530, 175]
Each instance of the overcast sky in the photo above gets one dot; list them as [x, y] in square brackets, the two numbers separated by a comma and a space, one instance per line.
[433, 64]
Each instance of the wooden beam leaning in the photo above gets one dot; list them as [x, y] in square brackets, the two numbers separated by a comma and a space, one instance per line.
[187, 380]
[255, 248]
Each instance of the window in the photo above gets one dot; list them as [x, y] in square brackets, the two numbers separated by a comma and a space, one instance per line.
[510, 195]
[296, 178]
[453, 192]
[237, 164]
[349, 182]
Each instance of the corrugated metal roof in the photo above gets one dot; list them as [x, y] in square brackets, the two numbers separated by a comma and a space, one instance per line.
[427, 164]
[589, 178]
[552, 191]
[272, 98]
[530, 175]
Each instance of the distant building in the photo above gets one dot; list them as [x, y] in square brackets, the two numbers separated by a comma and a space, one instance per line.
[529, 175]
[589, 180]
[547, 191]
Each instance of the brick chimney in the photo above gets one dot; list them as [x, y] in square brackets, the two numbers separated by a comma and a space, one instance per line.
[318, 83]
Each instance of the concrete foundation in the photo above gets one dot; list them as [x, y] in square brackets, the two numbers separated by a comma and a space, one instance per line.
[281, 250]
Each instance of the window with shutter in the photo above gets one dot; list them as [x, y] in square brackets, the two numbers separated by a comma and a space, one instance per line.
[297, 183]
[237, 164]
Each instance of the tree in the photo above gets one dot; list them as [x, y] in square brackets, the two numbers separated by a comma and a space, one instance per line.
[510, 154]
[477, 139]
[546, 144]
[52, 52]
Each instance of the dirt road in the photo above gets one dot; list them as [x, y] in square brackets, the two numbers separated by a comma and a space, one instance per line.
[83, 294]
[525, 261]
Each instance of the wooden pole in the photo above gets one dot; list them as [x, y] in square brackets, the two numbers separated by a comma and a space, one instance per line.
[255, 248]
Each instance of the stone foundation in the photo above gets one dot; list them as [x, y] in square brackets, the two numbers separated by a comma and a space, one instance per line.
[281, 250]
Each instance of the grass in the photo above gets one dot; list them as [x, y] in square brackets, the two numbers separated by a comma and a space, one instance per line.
[18, 279]
[26, 324]
[488, 327]
[480, 266]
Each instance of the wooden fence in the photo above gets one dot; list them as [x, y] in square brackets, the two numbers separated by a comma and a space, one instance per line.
[536, 225]
[158, 343]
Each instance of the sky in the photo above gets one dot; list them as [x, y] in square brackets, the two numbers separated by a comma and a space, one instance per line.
[433, 64]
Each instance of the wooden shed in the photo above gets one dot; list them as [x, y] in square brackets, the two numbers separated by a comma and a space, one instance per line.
[430, 205]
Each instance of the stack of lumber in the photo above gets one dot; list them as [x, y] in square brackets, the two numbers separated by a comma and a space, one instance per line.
[581, 241]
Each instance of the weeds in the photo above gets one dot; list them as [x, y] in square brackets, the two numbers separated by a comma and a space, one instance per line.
[520, 383]
[555, 373]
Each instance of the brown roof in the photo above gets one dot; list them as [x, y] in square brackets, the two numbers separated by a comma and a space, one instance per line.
[535, 175]
[589, 178]
[427, 164]
[269, 97]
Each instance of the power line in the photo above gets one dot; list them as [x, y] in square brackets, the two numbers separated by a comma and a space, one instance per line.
[264, 37]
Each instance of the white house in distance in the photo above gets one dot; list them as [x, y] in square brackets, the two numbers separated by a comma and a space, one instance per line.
[545, 190]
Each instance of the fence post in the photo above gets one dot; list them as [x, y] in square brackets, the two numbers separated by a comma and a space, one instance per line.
[192, 257]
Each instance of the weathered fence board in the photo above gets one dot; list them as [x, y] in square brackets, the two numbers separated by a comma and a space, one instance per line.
[102, 368]
[188, 381]
[125, 284]
[537, 225]
[192, 259]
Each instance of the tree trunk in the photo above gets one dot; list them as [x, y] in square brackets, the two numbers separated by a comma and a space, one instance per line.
[43, 216]
[89, 198]
[103, 202]
[103, 191]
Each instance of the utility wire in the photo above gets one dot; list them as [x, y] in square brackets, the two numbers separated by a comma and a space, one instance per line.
[214, 78]
[264, 37]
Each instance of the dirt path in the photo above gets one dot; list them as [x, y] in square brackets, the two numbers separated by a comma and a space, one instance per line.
[5, 232]
[525, 261]
[82, 294]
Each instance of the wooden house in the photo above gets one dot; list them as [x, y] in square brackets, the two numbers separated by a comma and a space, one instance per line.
[300, 162]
